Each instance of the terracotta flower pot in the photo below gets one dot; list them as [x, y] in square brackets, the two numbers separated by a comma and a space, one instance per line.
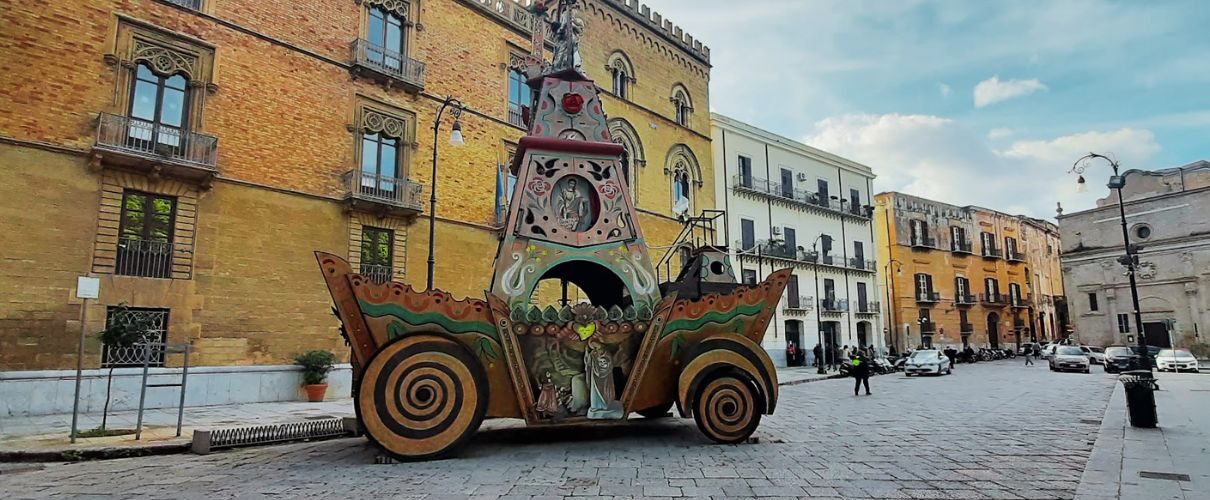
[315, 392]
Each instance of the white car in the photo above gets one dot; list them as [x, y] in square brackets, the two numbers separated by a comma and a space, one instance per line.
[1048, 350]
[1175, 360]
[1069, 358]
[1096, 355]
[927, 361]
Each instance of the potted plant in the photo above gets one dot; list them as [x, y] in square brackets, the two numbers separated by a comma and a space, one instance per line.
[315, 367]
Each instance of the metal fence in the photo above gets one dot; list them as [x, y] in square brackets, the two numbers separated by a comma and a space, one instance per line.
[156, 141]
[790, 194]
[388, 62]
[377, 273]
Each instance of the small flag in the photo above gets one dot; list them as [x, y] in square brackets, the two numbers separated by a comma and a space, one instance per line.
[501, 196]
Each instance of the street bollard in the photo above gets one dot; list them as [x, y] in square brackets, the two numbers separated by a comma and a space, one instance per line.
[1140, 398]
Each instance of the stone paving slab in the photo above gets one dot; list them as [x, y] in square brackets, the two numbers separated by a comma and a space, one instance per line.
[994, 430]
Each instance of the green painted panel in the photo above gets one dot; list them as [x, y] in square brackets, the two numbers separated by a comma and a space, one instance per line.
[414, 319]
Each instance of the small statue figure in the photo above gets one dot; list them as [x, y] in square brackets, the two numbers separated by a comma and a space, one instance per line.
[599, 364]
[568, 28]
[548, 398]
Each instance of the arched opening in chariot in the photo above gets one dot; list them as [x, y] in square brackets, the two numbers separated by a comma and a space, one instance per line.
[579, 281]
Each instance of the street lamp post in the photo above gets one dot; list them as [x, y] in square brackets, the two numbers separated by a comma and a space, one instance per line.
[455, 140]
[1117, 182]
[824, 349]
[890, 306]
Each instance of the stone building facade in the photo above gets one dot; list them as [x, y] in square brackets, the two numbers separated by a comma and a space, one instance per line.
[192, 154]
[791, 205]
[1166, 220]
[967, 275]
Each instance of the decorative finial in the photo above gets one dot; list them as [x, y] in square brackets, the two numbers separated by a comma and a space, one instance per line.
[1059, 208]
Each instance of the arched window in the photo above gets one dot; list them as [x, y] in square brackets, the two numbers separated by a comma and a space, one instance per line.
[159, 106]
[621, 74]
[387, 34]
[686, 176]
[683, 106]
[633, 159]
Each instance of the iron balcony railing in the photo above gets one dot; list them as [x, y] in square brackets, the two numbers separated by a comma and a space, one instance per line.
[991, 252]
[382, 189]
[965, 299]
[148, 258]
[928, 327]
[388, 62]
[377, 273]
[928, 297]
[966, 328]
[924, 241]
[1018, 301]
[516, 116]
[797, 197]
[862, 264]
[1014, 256]
[834, 305]
[993, 299]
[961, 247]
[154, 141]
[867, 307]
[799, 303]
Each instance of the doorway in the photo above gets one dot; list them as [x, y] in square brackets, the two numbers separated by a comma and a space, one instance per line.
[796, 356]
[993, 330]
[1157, 334]
[863, 334]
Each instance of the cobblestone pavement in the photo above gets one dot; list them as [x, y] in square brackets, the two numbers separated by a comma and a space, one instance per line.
[992, 430]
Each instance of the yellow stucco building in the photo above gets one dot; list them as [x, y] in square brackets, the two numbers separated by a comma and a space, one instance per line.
[192, 154]
[967, 275]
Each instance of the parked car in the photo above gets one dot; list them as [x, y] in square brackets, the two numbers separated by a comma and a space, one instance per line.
[1152, 353]
[1176, 360]
[1096, 355]
[1069, 358]
[927, 361]
[1049, 351]
[1119, 358]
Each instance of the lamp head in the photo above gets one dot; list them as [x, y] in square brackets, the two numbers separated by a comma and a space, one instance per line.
[456, 135]
[1081, 185]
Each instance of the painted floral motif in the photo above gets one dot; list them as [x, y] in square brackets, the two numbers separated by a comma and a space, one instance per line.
[610, 189]
[539, 187]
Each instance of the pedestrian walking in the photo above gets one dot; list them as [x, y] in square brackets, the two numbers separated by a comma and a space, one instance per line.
[861, 373]
[1029, 357]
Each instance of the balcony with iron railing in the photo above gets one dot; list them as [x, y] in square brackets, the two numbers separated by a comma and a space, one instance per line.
[799, 198]
[385, 65]
[1014, 256]
[799, 304]
[923, 241]
[377, 273]
[929, 297]
[867, 307]
[991, 252]
[383, 193]
[153, 259]
[927, 327]
[965, 299]
[152, 147]
[959, 247]
[516, 116]
[993, 299]
[833, 306]
[966, 328]
[1018, 301]
[778, 250]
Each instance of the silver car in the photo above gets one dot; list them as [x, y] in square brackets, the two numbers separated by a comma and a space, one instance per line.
[927, 361]
[1069, 358]
[1176, 360]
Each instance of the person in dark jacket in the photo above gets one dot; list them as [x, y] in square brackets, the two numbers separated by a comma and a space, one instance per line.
[818, 351]
[861, 373]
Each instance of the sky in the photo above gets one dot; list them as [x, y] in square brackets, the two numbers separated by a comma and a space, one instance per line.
[969, 102]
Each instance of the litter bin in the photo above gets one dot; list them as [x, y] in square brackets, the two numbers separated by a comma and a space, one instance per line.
[1140, 397]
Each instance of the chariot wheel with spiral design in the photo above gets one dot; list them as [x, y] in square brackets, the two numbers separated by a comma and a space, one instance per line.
[421, 397]
[727, 408]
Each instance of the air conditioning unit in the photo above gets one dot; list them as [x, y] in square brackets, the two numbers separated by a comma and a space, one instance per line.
[802, 177]
[776, 231]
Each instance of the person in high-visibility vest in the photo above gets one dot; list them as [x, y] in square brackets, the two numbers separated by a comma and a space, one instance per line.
[861, 372]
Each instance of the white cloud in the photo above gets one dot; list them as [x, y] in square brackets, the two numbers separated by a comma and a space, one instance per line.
[999, 133]
[939, 158]
[993, 90]
[945, 89]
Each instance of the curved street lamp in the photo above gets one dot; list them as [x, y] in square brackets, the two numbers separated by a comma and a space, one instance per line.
[1117, 182]
[455, 140]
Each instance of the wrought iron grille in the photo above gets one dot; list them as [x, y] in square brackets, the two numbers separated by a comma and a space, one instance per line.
[388, 62]
[384, 189]
[515, 116]
[377, 273]
[152, 140]
[157, 321]
[148, 258]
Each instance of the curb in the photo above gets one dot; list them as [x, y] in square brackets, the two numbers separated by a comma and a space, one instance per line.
[809, 380]
[81, 454]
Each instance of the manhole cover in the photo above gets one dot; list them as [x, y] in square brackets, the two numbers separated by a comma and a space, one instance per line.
[1089, 421]
[1164, 475]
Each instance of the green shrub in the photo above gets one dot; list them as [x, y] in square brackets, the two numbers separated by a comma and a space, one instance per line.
[315, 366]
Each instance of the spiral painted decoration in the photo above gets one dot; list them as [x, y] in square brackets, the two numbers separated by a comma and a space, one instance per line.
[726, 409]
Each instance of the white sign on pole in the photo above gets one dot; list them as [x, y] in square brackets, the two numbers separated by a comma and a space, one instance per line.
[88, 288]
